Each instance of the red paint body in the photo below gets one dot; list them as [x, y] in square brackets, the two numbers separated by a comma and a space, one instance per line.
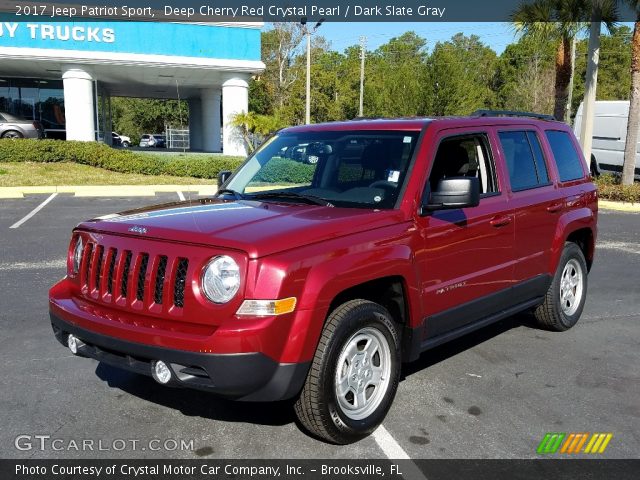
[314, 253]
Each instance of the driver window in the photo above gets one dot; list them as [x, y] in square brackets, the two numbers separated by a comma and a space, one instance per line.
[465, 156]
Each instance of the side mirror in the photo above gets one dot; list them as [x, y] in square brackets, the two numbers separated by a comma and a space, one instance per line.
[453, 193]
[223, 176]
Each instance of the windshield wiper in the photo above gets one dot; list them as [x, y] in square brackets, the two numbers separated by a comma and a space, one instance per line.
[236, 195]
[311, 199]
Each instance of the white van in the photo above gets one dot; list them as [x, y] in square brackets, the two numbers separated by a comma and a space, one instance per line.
[609, 136]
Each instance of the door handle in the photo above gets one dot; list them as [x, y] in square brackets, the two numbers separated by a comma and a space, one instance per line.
[554, 207]
[500, 221]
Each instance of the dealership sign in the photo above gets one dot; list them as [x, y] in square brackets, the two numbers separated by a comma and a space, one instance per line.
[147, 38]
[60, 31]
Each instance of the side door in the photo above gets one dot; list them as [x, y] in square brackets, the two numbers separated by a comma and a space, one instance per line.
[466, 259]
[537, 204]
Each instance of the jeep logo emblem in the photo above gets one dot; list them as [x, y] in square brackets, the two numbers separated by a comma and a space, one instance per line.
[137, 229]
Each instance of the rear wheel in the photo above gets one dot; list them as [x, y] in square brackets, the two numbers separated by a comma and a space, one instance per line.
[564, 301]
[354, 374]
[13, 134]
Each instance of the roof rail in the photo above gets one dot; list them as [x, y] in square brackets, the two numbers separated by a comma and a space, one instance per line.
[510, 113]
[356, 119]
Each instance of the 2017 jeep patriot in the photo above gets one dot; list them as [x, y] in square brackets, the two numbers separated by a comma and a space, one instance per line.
[316, 280]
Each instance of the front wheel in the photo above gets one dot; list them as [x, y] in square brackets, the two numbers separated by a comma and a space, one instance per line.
[354, 374]
[125, 145]
[564, 301]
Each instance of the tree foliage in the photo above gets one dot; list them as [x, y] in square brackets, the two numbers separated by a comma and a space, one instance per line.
[136, 116]
[461, 74]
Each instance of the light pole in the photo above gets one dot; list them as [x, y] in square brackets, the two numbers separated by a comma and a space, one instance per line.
[363, 52]
[308, 32]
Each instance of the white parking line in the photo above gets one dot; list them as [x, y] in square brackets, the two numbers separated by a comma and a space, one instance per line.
[48, 264]
[181, 196]
[388, 444]
[394, 451]
[623, 246]
[34, 211]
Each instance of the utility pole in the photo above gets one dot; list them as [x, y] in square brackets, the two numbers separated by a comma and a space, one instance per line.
[363, 53]
[567, 115]
[588, 109]
[308, 32]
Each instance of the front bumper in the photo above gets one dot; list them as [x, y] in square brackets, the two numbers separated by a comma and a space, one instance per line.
[242, 376]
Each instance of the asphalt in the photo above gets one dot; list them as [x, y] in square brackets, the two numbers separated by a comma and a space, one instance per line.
[494, 394]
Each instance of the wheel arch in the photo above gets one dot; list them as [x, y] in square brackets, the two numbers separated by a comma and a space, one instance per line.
[578, 227]
[585, 239]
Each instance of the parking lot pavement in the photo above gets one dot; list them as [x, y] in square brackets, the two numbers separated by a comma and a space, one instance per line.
[493, 394]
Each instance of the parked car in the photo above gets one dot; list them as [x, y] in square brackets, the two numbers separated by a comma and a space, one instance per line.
[18, 127]
[317, 283]
[609, 136]
[120, 140]
[155, 141]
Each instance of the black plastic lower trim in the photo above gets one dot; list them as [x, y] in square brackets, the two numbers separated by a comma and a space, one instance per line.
[487, 306]
[242, 376]
[471, 316]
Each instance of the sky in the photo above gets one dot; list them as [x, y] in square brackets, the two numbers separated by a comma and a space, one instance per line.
[496, 35]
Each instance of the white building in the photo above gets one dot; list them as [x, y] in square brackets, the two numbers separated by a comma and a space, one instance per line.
[64, 74]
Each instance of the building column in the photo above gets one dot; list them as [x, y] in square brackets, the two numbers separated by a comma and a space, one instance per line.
[235, 99]
[79, 105]
[210, 134]
[195, 124]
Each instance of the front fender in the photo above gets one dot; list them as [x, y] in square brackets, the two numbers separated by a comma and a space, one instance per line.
[316, 274]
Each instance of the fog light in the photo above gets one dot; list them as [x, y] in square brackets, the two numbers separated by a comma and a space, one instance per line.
[161, 372]
[74, 344]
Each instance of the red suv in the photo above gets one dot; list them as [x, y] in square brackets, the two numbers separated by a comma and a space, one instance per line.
[316, 281]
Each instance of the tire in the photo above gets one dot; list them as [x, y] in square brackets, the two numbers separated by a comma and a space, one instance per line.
[555, 313]
[125, 145]
[13, 134]
[594, 168]
[336, 417]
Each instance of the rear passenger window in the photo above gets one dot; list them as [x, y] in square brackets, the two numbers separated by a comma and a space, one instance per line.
[525, 161]
[567, 158]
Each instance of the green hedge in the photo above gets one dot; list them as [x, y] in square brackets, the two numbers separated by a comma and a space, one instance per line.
[123, 161]
[283, 170]
[609, 188]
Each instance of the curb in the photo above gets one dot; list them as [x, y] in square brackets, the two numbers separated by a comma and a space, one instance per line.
[619, 206]
[106, 190]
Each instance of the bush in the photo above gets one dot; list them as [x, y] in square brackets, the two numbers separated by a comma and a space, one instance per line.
[283, 170]
[122, 161]
[609, 188]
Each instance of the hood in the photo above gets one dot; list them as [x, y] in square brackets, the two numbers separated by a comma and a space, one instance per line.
[257, 228]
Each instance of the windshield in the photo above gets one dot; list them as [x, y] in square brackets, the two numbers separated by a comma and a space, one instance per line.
[362, 169]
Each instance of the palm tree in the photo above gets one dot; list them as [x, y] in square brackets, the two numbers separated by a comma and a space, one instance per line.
[554, 20]
[628, 168]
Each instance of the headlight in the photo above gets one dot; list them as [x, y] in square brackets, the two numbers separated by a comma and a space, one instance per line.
[221, 279]
[77, 255]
